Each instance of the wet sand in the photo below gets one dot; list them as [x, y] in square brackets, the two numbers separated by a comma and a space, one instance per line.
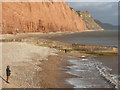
[53, 74]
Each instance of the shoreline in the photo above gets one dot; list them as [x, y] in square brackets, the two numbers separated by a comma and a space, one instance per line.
[5, 36]
[53, 75]
[35, 72]
[38, 39]
[88, 49]
[41, 68]
[44, 71]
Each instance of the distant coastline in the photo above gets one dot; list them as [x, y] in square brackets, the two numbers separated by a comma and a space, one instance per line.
[107, 26]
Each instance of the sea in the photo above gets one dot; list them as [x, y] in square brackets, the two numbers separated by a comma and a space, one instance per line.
[93, 37]
[92, 66]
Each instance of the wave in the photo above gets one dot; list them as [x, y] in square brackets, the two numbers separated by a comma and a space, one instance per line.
[90, 70]
[112, 78]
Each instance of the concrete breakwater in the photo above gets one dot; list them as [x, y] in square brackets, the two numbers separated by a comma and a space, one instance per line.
[89, 49]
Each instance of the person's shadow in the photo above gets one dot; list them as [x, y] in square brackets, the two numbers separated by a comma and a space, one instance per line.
[3, 79]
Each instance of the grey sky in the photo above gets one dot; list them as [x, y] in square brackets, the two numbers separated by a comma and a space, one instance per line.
[106, 12]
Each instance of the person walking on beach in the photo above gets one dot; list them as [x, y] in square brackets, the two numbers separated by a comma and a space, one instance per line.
[65, 51]
[8, 72]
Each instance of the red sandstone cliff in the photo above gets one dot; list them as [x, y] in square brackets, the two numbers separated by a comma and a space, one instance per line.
[22, 17]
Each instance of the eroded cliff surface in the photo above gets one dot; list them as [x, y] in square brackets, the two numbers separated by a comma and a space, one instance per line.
[22, 17]
[90, 23]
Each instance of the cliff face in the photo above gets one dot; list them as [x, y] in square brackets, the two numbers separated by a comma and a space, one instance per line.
[22, 17]
[90, 23]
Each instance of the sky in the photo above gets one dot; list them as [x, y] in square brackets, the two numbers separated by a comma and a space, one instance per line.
[92, 0]
[106, 12]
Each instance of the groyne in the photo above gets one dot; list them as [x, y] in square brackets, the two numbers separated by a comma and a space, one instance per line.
[67, 47]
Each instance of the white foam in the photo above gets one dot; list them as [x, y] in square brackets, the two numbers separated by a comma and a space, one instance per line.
[113, 79]
[83, 56]
[81, 68]
[84, 59]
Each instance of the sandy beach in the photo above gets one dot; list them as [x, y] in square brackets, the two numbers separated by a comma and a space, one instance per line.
[33, 66]
[24, 61]
[39, 66]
